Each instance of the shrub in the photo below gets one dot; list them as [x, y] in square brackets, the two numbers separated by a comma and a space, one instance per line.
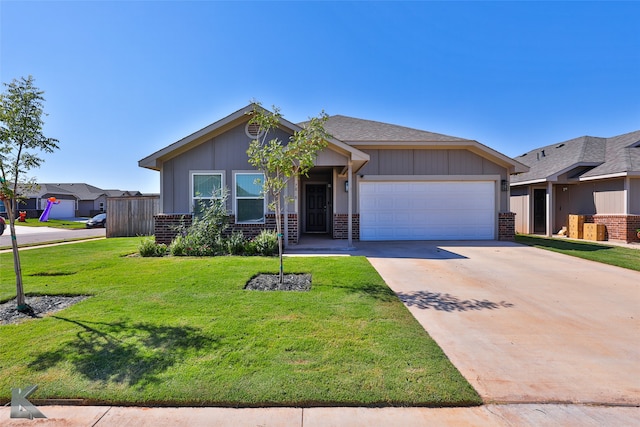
[191, 246]
[266, 243]
[149, 248]
[235, 244]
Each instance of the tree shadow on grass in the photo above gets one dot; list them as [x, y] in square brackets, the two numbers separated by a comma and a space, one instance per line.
[132, 354]
[446, 302]
[375, 291]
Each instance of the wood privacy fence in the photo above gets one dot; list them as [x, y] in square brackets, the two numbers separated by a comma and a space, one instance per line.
[131, 216]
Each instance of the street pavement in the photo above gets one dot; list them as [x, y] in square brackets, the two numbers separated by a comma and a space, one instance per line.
[36, 235]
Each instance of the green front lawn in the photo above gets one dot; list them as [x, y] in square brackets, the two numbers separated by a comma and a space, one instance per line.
[54, 223]
[182, 331]
[613, 255]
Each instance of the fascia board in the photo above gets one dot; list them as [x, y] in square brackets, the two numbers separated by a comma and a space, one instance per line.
[608, 176]
[531, 181]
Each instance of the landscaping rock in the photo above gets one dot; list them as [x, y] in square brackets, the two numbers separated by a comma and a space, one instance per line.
[40, 306]
[269, 282]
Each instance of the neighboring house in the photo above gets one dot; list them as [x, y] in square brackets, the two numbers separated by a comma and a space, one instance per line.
[591, 176]
[75, 200]
[381, 181]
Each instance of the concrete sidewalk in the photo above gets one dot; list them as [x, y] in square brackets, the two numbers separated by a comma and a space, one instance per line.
[524, 415]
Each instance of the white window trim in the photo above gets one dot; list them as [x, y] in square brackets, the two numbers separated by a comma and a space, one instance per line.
[192, 198]
[235, 196]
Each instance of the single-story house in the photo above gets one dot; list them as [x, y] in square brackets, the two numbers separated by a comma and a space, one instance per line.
[74, 200]
[374, 181]
[591, 176]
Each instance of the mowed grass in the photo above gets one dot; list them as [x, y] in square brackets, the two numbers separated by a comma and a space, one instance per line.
[182, 331]
[606, 254]
[53, 223]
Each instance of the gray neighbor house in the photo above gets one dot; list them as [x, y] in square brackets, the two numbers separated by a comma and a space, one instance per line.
[74, 200]
[598, 178]
[374, 181]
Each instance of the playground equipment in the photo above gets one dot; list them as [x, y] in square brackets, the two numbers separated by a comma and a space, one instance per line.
[45, 214]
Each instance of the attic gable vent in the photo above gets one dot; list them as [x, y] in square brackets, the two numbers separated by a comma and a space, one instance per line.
[253, 130]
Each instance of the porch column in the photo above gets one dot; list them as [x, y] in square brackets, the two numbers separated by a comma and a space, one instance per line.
[550, 209]
[627, 196]
[350, 206]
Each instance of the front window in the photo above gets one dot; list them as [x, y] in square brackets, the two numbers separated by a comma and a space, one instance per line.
[206, 187]
[249, 198]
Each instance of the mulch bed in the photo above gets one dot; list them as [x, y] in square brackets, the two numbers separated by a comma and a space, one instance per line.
[39, 306]
[269, 282]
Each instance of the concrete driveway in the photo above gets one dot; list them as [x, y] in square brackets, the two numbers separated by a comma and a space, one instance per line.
[522, 324]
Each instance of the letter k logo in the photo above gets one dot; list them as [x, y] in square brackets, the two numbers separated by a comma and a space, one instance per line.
[21, 407]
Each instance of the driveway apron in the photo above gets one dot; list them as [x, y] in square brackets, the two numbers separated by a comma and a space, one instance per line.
[523, 324]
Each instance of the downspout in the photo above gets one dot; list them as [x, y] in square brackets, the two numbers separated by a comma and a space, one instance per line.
[350, 206]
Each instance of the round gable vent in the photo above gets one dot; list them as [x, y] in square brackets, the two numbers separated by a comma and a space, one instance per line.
[253, 130]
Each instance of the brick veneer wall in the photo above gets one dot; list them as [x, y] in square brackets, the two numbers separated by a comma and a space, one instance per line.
[341, 226]
[617, 227]
[167, 225]
[506, 226]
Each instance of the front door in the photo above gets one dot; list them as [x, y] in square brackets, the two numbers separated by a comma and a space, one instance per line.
[539, 211]
[316, 204]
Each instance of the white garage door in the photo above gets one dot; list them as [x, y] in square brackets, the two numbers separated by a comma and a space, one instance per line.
[427, 210]
[62, 210]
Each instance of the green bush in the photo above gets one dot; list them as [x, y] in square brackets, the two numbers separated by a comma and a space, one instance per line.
[266, 243]
[236, 243]
[149, 248]
[190, 245]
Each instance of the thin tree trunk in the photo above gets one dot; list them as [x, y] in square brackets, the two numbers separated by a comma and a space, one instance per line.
[279, 232]
[20, 298]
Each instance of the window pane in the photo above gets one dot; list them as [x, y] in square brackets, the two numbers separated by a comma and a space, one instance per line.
[200, 205]
[250, 210]
[207, 185]
[246, 185]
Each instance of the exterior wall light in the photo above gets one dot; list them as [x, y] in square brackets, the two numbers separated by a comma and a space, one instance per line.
[346, 186]
[504, 185]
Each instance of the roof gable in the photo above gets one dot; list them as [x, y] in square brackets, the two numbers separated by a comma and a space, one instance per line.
[154, 161]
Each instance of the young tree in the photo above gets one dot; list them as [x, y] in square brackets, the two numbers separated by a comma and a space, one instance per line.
[21, 138]
[280, 162]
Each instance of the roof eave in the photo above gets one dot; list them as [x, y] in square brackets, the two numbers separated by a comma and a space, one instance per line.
[610, 175]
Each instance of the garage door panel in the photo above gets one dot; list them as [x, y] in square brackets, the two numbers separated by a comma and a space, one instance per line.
[427, 210]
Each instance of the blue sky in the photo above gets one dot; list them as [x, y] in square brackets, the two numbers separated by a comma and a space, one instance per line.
[124, 79]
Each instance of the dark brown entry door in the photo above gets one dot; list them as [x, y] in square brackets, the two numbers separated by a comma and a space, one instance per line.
[316, 202]
[539, 211]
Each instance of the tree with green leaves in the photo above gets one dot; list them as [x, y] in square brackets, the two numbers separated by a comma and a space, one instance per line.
[21, 142]
[280, 162]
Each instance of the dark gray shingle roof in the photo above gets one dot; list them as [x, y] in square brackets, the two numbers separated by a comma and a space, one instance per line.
[598, 156]
[350, 129]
